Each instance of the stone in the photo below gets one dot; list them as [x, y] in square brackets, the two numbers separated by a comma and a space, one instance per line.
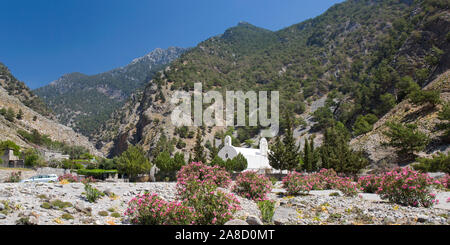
[422, 218]
[2, 206]
[284, 215]
[2, 216]
[236, 222]
[253, 220]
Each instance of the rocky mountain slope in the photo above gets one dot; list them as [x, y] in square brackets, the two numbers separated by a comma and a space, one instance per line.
[84, 102]
[32, 120]
[18, 89]
[357, 50]
[427, 120]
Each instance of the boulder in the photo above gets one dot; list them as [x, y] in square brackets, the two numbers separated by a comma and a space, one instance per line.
[236, 222]
[253, 220]
[284, 215]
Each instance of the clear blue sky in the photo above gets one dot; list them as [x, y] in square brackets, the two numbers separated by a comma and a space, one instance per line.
[41, 40]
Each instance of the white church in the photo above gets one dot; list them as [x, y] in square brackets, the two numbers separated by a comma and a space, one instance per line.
[257, 159]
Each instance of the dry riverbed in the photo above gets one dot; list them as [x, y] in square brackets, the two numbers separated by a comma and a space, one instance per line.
[29, 201]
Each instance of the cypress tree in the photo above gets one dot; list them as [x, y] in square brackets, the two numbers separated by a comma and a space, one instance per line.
[291, 150]
[199, 149]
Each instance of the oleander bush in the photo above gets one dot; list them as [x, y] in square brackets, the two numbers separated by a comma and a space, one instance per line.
[14, 177]
[296, 184]
[197, 174]
[407, 187]
[69, 177]
[199, 200]
[149, 209]
[369, 183]
[213, 206]
[252, 185]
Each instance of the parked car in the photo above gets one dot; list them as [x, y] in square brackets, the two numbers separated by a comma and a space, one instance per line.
[41, 178]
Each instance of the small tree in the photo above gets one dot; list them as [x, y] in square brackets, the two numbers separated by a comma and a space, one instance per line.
[133, 162]
[8, 144]
[239, 163]
[421, 97]
[20, 115]
[406, 138]
[169, 166]
[10, 115]
[217, 161]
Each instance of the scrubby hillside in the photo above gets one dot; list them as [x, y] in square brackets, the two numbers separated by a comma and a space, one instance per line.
[423, 116]
[11, 123]
[353, 60]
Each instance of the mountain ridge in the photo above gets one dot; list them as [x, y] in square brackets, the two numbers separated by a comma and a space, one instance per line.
[84, 101]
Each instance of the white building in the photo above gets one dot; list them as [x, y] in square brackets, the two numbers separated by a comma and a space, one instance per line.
[256, 158]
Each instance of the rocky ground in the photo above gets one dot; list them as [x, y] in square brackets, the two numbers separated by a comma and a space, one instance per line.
[30, 202]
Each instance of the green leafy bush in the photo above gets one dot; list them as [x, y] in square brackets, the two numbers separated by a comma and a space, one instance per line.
[267, 208]
[439, 163]
[92, 193]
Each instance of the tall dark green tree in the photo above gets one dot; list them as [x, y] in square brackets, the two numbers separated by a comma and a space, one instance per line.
[337, 154]
[199, 149]
[284, 153]
[310, 156]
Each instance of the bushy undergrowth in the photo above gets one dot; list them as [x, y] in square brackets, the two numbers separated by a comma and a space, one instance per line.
[253, 186]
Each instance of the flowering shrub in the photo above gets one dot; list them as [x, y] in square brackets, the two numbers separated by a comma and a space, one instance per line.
[406, 187]
[444, 181]
[213, 206]
[149, 209]
[88, 180]
[253, 186]
[346, 186]
[295, 183]
[69, 177]
[200, 201]
[369, 183]
[14, 177]
[196, 174]
[326, 179]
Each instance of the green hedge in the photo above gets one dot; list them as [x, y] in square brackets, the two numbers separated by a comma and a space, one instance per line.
[96, 173]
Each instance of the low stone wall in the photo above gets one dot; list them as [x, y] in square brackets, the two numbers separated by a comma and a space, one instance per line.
[57, 171]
